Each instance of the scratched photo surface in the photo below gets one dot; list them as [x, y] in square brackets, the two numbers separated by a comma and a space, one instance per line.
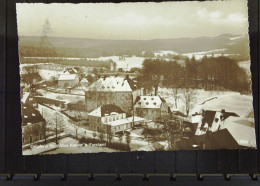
[124, 77]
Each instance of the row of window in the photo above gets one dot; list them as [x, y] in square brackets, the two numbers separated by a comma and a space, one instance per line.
[123, 127]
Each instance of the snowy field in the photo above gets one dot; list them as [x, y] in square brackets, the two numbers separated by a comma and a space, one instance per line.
[165, 52]
[65, 97]
[199, 97]
[49, 74]
[126, 63]
[200, 55]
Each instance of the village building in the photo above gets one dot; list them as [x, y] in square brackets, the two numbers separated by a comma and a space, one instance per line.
[68, 80]
[28, 98]
[70, 70]
[225, 122]
[151, 107]
[32, 124]
[112, 90]
[112, 118]
[84, 82]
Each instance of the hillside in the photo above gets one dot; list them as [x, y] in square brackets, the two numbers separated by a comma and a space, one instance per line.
[77, 47]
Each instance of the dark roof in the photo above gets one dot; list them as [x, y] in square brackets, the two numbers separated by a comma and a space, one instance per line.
[131, 83]
[30, 115]
[108, 109]
[221, 139]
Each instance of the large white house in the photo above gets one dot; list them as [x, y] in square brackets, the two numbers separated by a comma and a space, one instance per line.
[112, 90]
[232, 113]
[150, 107]
[68, 80]
[113, 118]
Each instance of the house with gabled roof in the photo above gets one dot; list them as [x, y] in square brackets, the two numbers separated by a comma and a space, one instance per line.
[225, 122]
[68, 80]
[113, 118]
[32, 124]
[150, 107]
[112, 90]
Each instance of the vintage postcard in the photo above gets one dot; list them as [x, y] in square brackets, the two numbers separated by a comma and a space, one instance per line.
[123, 77]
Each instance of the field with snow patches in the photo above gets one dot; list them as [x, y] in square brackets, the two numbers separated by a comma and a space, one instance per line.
[200, 55]
[199, 97]
[66, 97]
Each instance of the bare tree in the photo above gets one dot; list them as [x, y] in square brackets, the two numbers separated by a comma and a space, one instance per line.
[110, 134]
[188, 97]
[45, 127]
[101, 135]
[59, 126]
[120, 137]
[171, 131]
[176, 95]
[94, 134]
[77, 124]
[128, 141]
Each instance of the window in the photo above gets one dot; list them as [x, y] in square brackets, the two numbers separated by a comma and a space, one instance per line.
[23, 140]
[40, 135]
[30, 139]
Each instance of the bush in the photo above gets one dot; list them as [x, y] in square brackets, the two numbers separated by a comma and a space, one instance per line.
[84, 140]
[117, 146]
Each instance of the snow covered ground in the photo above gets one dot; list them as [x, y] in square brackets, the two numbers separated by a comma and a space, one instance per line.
[200, 55]
[200, 96]
[49, 74]
[165, 52]
[66, 97]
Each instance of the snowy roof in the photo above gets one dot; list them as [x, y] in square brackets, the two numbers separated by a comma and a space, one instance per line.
[124, 121]
[114, 84]
[149, 102]
[30, 115]
[106, 109]
[84, 80]
[69, 70]
[241, 105]
[25, 96]
[96, 112]
[242, 130]
[67, 77]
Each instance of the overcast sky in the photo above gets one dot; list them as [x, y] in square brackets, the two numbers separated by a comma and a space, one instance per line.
[135, 20]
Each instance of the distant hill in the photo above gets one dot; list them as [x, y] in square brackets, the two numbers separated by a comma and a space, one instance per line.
[82, 47]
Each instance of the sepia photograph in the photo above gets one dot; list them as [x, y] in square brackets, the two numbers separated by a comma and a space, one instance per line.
[107, 77]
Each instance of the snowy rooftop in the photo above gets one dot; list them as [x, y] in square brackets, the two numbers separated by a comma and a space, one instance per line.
[242, 130]
[84, 80]
[242, 105]
[25, 96]
[67, 77]
[149, 102]
[69, 70]
[115, 84]
[96, 112]
[124, 121]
